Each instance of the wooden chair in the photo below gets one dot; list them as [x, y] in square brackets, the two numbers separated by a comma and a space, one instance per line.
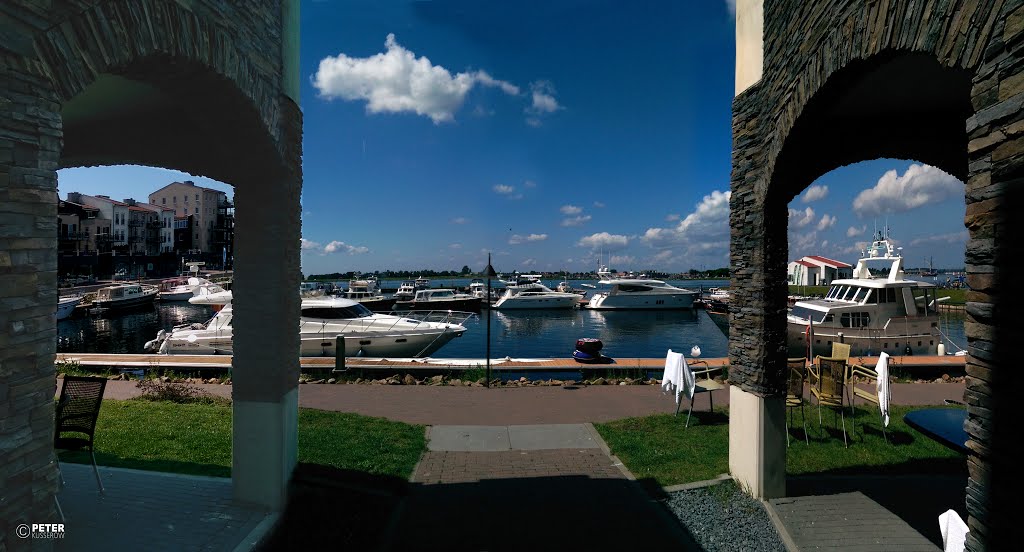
[795, 392]
[828, 378]
[77, 410]
[863, 374]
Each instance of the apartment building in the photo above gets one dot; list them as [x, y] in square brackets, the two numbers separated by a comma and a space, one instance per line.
[162, 232]
[80, 229]
[114, 211]
[210, 212]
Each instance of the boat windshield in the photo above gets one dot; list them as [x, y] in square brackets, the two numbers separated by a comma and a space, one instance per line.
[337, 313]
[804, 312]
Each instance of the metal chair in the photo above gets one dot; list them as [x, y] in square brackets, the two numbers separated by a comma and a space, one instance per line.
[827, 379]
[864, 375]
[795, 393]
[77, 410]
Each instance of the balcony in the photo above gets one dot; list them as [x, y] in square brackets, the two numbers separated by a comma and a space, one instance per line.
[73, 236]
[136, 223]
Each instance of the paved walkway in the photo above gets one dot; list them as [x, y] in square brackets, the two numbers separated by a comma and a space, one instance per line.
[437, 405]
[143, 510]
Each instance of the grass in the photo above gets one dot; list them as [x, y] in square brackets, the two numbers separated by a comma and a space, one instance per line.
[196, 439]
[659, 447]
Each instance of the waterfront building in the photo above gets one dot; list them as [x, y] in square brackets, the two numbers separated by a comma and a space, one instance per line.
[114, 211]
[212, 215]
[815, 270]
[81, 229]
[163, 231]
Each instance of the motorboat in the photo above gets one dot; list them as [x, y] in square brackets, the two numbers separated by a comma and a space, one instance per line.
[365, 291]
[440, 299]
[124, 295]
[211, 294]
[322, 320]
[66, 305]
[527, 292]
[868, 312]
[180, 289]
[406, 291]
[477, 288]
[639, 293]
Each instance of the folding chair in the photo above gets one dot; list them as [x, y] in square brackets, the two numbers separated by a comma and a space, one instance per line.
[795, 392]
[77, 410]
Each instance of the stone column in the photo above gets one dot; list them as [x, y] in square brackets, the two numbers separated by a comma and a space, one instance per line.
[265, 368]
[30, 146]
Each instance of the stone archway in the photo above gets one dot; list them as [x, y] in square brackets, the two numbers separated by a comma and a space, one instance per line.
[207, 88]
[824, 84]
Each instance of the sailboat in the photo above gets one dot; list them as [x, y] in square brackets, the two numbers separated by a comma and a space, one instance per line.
[931, 272]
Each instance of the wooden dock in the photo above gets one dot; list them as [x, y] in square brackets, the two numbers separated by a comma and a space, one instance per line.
[223, 362]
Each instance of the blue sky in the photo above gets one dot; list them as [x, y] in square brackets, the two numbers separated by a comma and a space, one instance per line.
[548, 133]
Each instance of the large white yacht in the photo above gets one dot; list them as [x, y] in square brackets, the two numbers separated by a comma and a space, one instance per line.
[527, 292]
[868, 312]
[322, 319]
[639, 293]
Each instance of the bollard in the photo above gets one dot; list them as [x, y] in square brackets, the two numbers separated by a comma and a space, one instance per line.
[339, 354]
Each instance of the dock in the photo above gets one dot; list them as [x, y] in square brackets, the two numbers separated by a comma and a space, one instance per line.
[223, 362]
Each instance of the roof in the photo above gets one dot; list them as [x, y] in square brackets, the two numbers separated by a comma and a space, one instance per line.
[137, 208]
[107, 199]
[826, 260]
[187, 183]
[805, 263]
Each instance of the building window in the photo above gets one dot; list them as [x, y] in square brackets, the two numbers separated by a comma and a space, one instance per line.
[175, 199]
[186, 210]
[197, 197]
[163, 201]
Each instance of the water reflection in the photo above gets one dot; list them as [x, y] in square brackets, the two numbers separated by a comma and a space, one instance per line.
[124, 331]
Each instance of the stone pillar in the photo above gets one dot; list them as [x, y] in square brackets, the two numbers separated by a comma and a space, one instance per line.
[757, 343]
[265, 368]
[30, 146]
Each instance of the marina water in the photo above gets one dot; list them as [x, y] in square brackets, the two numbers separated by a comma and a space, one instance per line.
[517, 334]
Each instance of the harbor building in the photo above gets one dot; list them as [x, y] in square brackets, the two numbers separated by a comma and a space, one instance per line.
[209, 212]
[814, 270]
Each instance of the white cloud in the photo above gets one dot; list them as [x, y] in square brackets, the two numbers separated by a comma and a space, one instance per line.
[853, 231]
[598, 204]
[529, 262]
[672, 217]
[814, 193]
[605, 241]
[576, 221]
[529, 184]
[543, 102]
[517, 239]
[703, 231]
[662, 256]
[827, 221]
[621, 260]
[799, 219]
[340, 246]
[504, 189]
[308, 244]
[953, 238]
[460, 220]
[455, 246]
[824, 244]
[802, 244]
[919, 186]
[397, 81]
[571, 210]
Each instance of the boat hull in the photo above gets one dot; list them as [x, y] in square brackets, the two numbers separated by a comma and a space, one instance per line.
[369, 344]
[465, 305]
[136, 301]
[66, 306]
[661, 301]
[537, 303]
[175, 295]
[921, 335]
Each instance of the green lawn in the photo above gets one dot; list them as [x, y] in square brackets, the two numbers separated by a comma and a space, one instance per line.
[659, 447]
[196, 439]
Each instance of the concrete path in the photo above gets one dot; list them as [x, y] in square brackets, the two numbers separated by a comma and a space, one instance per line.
[432, 405]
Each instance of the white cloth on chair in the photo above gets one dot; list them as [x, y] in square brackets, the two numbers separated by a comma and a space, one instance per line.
[954, 531]
[677, 379]
[882, 385]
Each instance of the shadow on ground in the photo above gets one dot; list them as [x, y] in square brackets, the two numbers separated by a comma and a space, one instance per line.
[917, 499]
[345, 510]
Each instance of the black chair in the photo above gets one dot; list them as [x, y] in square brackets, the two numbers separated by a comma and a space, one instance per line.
[77, 410]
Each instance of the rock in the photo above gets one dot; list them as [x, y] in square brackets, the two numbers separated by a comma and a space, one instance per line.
[569, 382]
[476, 384]
[600, 381]
[332, 380]
[302, 381]
[393, 380]
[437, 380]
[946, 378]
[359, 380]
[317, 381]
[409, 380]
[624, 383]
[557, 382]
[165, 379]
[114, 377]
[455, 382]
[523, 379]
[481, 382]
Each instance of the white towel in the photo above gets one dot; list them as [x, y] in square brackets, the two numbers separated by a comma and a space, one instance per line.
[673, 377]
[954, 531]
[882, 385]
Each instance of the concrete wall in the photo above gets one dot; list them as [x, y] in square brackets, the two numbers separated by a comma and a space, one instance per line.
[845, 81]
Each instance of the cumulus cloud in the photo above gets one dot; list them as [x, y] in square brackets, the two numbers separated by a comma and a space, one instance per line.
[671, 217]
[529, 184]
[920, 185]
[704, 231]
[517, 239]
[460, 220]
[605, 241]
[662, 256]
[543, 102]
[827, 221]
[529, 262]
[309, 244]
[598, 204]
[853, 231]
[504, 189]
[571, 210]
[455, 246]
[576, 221]
[814, 193]
[397, 81]
[799, 219]
[621, 260]
[340, 246]
[953, 238]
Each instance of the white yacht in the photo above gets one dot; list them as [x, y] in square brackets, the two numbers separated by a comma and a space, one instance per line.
[365, 291]
[639, 293]
[406, 291]
[527, 292]
[870, 313]
[66, 305]
[180, 289]
[440, 299]
[124, 296]
[323, 319]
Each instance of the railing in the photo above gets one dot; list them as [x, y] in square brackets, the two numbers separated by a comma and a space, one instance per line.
[74, 236]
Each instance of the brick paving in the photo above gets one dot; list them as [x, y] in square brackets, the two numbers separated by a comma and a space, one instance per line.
[442, 467]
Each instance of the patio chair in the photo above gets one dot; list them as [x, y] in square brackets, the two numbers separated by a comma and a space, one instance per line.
[681, 380]
[77, 410]
[863, 374]
[841, 350]
[827, 378]
[795, 392]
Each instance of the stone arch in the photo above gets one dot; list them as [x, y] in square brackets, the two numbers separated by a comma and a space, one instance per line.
[958, 107]
[201, 86]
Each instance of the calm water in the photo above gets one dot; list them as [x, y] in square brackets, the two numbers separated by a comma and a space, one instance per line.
[522, 334]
